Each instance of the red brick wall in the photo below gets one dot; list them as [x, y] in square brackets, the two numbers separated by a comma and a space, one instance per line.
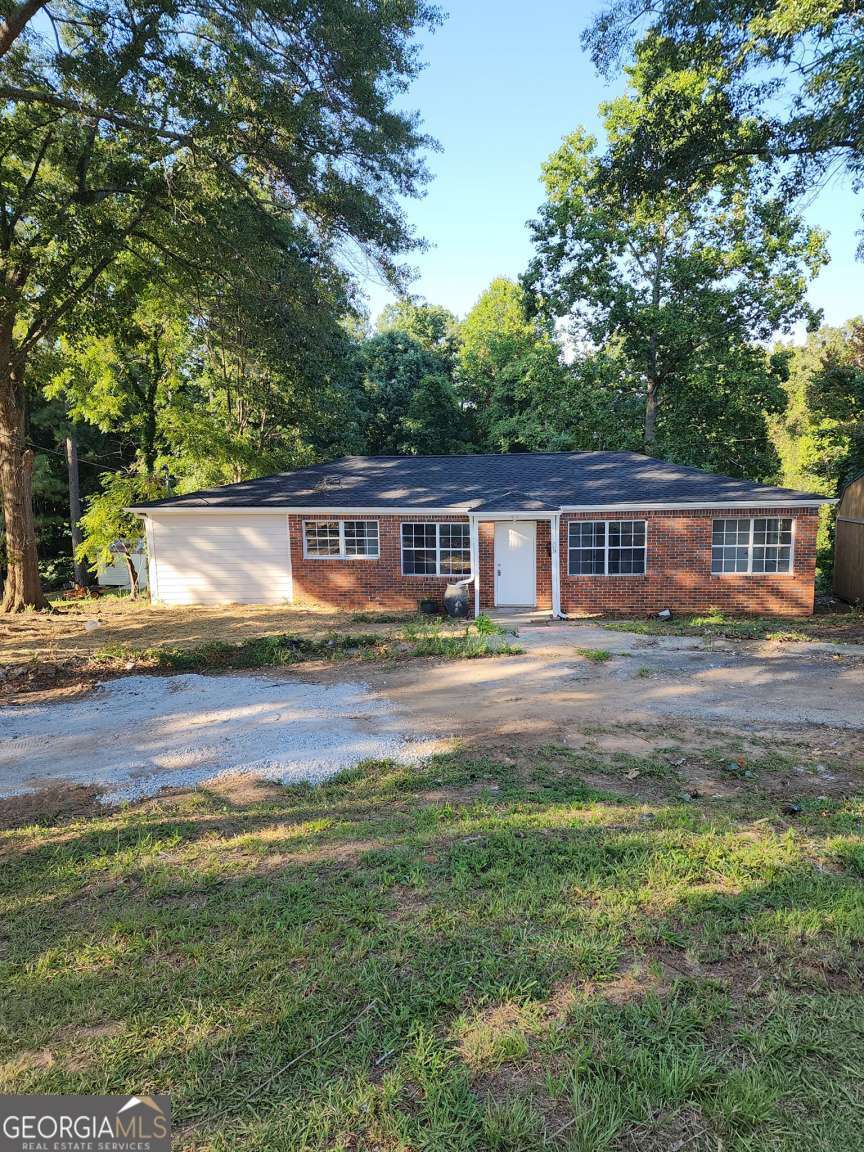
[678, 577]
[544, 564]
[359, 584]
[486, 531]
[679, 570]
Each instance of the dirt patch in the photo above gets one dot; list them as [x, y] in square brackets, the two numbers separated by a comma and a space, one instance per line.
[51, 804]
[62, 633]
[637, 979]
[29, 1061]
[409, 903]
[318, 858]
[82, 1043]
[464, 794]
[671, 1132]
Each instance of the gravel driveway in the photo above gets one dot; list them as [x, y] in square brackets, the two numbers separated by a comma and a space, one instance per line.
[134, 735]
[142, 733]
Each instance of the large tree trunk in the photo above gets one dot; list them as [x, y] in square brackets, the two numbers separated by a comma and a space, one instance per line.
[650, 416]
[75, 507]
[23, 588]
[653, 368]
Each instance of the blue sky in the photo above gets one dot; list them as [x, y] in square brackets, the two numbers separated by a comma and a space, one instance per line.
[504, 82]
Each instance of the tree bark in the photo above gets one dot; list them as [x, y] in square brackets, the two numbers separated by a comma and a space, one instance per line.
[133, 576]
[23, 587]
[16, 21]
[75, 507]
[653, 385]
[650, 415]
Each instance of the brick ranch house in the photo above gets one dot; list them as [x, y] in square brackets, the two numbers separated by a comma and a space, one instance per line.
[564, 532]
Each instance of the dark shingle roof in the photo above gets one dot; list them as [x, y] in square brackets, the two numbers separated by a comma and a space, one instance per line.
[518, 482]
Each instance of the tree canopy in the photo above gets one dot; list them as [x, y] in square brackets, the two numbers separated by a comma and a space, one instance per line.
[186, 197]
[787, 79]
[202, 137]
[680, 277]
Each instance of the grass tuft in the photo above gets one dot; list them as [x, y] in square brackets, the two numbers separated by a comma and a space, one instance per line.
[595, 655]
[416, 639]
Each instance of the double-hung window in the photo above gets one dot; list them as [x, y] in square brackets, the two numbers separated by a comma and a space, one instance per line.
[436, 550]
[606, 547]
[752, 544]
[340, 539]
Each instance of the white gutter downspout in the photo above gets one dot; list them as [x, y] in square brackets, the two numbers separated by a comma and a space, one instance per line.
[474, 537]
[555, 533]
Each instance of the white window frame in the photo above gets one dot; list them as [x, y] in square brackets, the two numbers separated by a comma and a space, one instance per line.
[437, 525]
[790, 571]
[606, 573]
[342, 554]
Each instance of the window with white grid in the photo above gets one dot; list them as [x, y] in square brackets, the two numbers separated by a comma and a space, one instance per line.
[606, 547]
[361, 537]
[340, 539]
[751, 544]
[436, 550]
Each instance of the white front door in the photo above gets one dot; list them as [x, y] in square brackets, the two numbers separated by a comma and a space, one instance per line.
[515, 563]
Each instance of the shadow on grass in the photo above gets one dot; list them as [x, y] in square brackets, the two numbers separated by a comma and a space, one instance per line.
[437, 972]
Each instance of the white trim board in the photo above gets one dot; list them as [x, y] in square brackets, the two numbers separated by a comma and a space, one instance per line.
[328, 511]
[340, 510]
[691, 507]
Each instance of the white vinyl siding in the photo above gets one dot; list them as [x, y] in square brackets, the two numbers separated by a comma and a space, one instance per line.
[750, 545]
[208, 558]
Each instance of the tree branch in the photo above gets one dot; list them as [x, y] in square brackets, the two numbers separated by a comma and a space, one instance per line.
[91, 112]
[16, 22]
[31, 179]
[40, 327]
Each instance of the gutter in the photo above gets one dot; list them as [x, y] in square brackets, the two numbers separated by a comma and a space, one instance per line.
[480, 514]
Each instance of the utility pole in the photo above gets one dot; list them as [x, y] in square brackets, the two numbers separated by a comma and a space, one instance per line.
[75, 505]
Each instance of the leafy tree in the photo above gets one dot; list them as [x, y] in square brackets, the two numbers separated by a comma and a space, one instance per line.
[186, 135]
[433, 327]
[820, 436]
[107, 524]
[680, 278]
[410, 405]
[591, 404]
[123, 379]
[787, 77]
[434, 424]
[504, 357]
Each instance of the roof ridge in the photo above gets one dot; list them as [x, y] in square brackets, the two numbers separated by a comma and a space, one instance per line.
[486, 455]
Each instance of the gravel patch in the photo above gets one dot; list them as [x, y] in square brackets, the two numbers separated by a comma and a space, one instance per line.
[138, 734]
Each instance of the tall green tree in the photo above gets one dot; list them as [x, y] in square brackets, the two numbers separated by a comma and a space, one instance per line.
[181, 134]
[505, 357]
[787, 79]
[125, 375]
[409, 402]
[433, 327]
[682, 274]
[820, 435]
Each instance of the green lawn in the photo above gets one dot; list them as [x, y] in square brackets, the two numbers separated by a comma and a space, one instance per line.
[832, 627]
[466, 955]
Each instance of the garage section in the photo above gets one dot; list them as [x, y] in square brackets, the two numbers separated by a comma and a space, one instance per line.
[219, 558]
